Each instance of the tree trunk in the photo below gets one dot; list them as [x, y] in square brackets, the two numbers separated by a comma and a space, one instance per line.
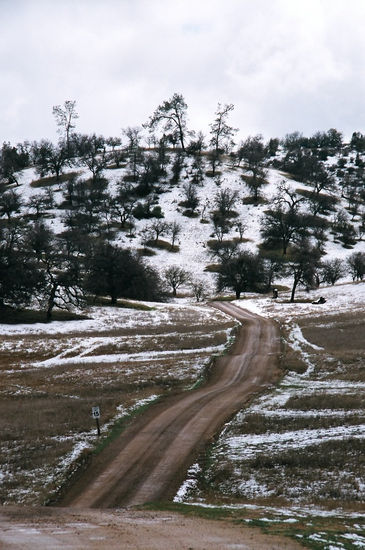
[51, 302]
[181, 135]
[295, 284]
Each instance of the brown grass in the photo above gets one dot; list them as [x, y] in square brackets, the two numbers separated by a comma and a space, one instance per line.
[342, 337]
[163, 245]
[44, 409]
[49, 181]
[325, 473]
[326, 401]
[256, 423]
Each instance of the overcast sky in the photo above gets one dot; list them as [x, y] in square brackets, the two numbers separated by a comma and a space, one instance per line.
[285, 64]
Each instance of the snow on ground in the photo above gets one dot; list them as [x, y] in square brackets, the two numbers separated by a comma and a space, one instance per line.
[124, 357]
[102, 319]
[194, 254]
[247, 446]
[234, 449]
[339, 299]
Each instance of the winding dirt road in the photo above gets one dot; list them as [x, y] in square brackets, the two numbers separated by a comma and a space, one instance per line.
[148, 462]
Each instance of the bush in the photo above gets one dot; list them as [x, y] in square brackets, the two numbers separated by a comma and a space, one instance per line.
[144, 211]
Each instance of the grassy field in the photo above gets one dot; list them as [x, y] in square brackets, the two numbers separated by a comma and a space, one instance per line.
[291, 463]
[302, 444]
[119, 359]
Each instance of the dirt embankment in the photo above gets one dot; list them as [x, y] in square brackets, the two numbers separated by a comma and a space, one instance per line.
[149, 461]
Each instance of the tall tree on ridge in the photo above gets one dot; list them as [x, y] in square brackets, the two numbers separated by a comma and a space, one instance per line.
[221, 134]
[172, 115]
[65, 116]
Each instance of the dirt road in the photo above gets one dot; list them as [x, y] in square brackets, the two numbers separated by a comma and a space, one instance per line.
[71, 529]
[149, 461]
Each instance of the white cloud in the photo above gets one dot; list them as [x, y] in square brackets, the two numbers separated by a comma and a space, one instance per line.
[285, 64]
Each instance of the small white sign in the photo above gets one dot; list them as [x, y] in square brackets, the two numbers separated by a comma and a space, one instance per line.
[95, 411]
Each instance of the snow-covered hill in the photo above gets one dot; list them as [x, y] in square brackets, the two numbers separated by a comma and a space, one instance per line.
[194, 254]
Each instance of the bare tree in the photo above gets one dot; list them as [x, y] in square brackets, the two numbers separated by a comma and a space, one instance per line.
[224, 250]
[205, 206]
[171, 114]
[94, 157]
[241, 227]
[158, 228]
[356, 263]
[65, 116]
[199, 290]
[174, 230]
[303, 265]
[38, 204]
[176, 276]
[10, 203]
[332, 270]
[117, 154]
[220, 131]
[124, 203]
[288, 196]
[49, 158]
[146, 236]
[191, 196]
[224, 201]
[253, 152]
[221, 135]
[134, 150]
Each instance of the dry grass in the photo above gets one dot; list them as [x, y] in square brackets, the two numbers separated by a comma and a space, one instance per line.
[342, 337]
[258, 424]
[51, 180]
[301, 467]
[46, 407]
[343, 333]
[163, 245]
[326, 400]
[316, 474]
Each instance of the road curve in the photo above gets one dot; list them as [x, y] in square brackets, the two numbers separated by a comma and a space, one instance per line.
[149, 460]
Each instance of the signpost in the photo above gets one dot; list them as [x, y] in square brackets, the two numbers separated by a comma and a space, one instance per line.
[95, 413]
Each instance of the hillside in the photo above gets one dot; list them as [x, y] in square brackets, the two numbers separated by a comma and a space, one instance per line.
[293, 453]
[196, 232]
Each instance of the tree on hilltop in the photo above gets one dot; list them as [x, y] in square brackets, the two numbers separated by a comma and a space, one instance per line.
[65, 116]
[171, 115]
[221, 135]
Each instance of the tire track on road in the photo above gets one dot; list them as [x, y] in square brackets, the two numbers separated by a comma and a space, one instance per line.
[149, 460]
